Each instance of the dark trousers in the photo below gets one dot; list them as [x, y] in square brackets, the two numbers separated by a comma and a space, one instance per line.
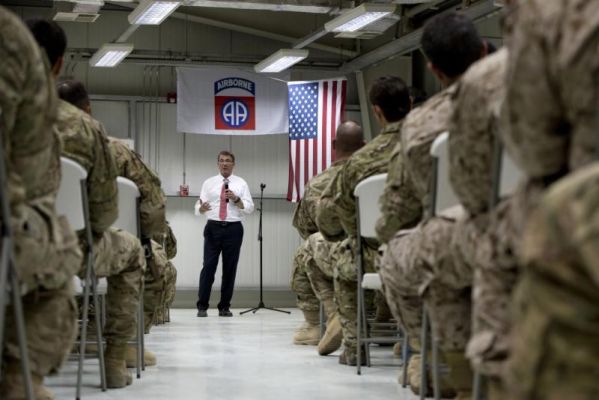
[225, 238]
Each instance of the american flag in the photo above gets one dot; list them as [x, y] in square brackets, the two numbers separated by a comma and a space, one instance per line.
[315, 109]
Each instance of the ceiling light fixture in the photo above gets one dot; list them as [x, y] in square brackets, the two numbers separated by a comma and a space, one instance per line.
[110, 55]
[359, 17]
[281, 60]
[152, 12]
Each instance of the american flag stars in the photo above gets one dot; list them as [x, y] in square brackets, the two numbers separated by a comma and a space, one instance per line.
[303, 110]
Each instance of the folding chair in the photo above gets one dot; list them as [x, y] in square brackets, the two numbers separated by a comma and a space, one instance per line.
[72, 202]
[367, 194]
[505, 178]
[128, 220]
[9, 281]
[442, 198]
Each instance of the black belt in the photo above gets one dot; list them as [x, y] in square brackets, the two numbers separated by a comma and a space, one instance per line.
[222, 223]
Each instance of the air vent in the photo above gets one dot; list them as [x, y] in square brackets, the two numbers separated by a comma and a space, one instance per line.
[75, 17]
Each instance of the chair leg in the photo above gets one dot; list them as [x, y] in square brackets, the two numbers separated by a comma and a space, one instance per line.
[435, 368]
[21, 334]
[424, 351]
[359, 325]
[99, 339]
[404, 356]
[477, 387]
[322, 320]
[365, 329]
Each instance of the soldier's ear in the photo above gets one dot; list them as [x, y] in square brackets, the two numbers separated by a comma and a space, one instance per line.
[57, 67]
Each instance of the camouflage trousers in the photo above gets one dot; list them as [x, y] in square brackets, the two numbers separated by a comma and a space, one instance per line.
[154, 285]
[346, 287]
[170, 285]
[555, 348]
[419, 265]
[300, 283]
[120, 258]
[47, 256]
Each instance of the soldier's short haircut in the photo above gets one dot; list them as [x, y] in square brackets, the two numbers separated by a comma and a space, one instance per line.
[349, 137]
[50, 37]
[225, 153]
[73, 92]
[451, 43]
[392, 95]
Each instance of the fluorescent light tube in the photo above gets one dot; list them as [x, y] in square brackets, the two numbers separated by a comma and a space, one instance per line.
[152, 12]
[110, 54]
[359, 17]
[281, 60]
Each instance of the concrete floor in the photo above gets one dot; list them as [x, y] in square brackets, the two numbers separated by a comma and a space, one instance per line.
[244, 357]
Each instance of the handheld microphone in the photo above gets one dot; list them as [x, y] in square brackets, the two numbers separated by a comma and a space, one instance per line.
[226, 188]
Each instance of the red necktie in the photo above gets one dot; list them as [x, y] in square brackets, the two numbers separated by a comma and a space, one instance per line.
[222, 212]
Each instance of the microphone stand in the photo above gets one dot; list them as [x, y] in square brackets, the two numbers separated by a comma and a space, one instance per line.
[261, 303]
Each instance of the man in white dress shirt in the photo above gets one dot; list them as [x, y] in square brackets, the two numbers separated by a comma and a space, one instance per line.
[225, 199]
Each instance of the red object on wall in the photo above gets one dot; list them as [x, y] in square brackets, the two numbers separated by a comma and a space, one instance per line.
[171, 97]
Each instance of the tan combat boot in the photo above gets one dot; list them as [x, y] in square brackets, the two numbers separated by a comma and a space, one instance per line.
[398, 349]
[117, 375]
[460, 374]
[13, 386]
[333, 336]
[349, 357]
[309, 332]
[131, 357]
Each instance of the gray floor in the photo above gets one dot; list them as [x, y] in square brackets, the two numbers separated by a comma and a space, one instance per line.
[244, 357]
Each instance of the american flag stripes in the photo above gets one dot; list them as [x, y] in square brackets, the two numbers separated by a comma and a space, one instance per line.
[315, 110]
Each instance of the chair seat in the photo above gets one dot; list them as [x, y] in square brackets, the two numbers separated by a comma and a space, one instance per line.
[372, 281]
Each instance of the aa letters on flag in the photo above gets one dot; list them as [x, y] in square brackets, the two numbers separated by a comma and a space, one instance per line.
[228, 101]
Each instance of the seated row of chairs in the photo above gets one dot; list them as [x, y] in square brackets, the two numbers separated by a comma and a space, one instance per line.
[367, 193]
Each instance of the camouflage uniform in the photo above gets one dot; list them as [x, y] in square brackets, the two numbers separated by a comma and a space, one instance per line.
[551, 105]
[336, 220]
[483, 239]
[419, 262]
[170, 246]
[310, 278]
[555, 340]
[117, 254]
[152, 209]
[46, 251]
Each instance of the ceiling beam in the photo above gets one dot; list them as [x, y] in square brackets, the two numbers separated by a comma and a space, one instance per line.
[411, 41]
[251, 31]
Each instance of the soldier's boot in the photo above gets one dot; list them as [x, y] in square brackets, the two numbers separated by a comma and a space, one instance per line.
[13, 386]
[349, 357]
[309, 332]
[131, 357]
[333, 336]
[415, 373]
[117, 375]
[460, 374]
[398, 349]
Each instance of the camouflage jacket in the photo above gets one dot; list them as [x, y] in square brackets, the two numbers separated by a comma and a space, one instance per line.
[421, 128]
[28, 106]
[474, 122]
[84, 140]
[336, 212]
[304, 217]
[170, 242]
[152, 199]
[552, 91]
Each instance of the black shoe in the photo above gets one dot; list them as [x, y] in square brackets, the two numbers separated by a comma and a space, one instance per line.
[202, 313]
[225, 313]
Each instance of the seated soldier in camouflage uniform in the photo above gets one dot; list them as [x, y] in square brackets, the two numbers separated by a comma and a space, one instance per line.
[482, 239]
[312, 276]
[118, 254]
[552, 105]
[46, 250]
[336, 211]
[419, 262]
